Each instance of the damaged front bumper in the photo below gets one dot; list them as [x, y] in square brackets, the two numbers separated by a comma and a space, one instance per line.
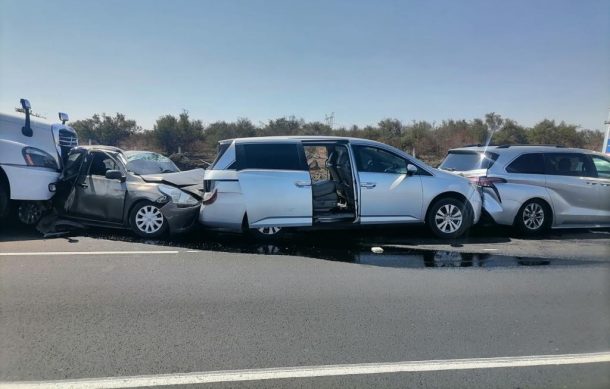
[180, 219]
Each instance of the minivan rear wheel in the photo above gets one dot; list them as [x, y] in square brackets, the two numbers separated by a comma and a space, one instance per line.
[533, 218]
[449, 218]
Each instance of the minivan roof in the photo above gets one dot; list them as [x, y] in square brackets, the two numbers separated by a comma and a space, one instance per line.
[521, 148]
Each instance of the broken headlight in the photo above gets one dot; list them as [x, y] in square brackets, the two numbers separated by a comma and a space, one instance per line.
[39, 158]
[178, 197]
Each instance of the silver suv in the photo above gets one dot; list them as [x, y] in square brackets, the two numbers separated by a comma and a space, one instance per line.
[538, 187]
[268, 183]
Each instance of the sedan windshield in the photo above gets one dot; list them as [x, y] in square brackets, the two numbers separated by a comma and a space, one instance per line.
[147, 162]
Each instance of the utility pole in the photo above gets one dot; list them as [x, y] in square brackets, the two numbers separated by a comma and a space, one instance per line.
[606, 144]
[330, 120]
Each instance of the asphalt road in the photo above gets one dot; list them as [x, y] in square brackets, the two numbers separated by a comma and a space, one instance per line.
[114, 306]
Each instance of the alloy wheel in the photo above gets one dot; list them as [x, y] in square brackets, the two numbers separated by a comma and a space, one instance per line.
[533, 216]
[269, 230]
[149, 219]
[448, 218]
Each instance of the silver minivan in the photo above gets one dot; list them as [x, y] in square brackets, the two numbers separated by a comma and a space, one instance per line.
[534, 188]
[266, 184]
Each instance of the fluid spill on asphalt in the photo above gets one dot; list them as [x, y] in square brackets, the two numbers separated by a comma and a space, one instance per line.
[342, 248]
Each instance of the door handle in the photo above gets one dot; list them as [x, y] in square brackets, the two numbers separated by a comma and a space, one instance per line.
[83, 185]
[302, 184]
[591, 183]
[368, 185]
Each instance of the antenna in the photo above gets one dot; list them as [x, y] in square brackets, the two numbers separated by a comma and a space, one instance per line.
[330, 119]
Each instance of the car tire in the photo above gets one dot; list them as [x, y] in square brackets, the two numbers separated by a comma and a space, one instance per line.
[30, 212]
[267, 233]
[449, 218]
[4, 200]
[533, 218]
[147, 221]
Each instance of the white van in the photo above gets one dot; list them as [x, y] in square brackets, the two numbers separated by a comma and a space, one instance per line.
[32, 152]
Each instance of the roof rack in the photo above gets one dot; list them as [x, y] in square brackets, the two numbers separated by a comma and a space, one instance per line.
[474, 145]
[528, 145]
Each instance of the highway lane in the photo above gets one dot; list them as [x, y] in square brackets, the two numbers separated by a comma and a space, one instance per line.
[98, 314]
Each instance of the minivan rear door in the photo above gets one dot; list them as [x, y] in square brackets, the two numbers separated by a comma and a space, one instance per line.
[275, 183]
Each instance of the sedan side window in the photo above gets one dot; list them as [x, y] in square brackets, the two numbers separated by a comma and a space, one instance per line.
[602, 165]
[101, 163]
[374, 160]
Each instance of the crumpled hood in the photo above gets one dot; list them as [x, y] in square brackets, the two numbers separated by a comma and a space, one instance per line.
[178, 179]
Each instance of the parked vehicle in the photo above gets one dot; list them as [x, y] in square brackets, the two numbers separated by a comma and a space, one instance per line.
[534, 188]
[32, 152]
[269, 183]
[140, 190]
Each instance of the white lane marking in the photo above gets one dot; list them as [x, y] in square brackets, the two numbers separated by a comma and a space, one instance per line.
[490, 249]
[35, 253]
[312, 371]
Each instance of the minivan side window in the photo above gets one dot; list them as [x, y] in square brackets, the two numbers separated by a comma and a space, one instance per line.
[602, 165]
[532, 163]
[278, 156]
[569, 164]
[374, 160]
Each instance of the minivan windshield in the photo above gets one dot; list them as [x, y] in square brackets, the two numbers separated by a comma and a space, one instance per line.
[147, 162]
[468, 160]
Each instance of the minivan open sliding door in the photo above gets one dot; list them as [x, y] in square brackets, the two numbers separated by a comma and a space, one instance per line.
[275, 183]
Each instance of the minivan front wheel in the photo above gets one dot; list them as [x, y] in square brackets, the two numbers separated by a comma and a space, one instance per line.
[533, 218]
[449, 218]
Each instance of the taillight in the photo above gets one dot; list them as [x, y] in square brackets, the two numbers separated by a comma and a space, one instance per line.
[489, 182]
[209, 197]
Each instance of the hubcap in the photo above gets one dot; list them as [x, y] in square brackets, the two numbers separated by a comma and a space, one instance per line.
[533, 216]
[269, 230]
[149, 219]
[448, 218]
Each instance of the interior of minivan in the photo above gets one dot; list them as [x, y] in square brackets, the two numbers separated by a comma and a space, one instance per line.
[333, 190]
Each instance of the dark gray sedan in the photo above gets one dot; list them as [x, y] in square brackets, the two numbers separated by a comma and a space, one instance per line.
[139, 190]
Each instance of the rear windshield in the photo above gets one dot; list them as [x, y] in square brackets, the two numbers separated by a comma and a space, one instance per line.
[468, 160]
[222, 148]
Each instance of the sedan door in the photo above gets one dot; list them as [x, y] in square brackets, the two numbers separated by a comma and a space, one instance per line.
[388, 194]
[97, 197]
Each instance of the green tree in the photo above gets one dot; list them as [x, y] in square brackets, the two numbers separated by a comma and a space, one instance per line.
[547, 132]
[105, 130]
[511, 133]
[282, 126]
[172, 133]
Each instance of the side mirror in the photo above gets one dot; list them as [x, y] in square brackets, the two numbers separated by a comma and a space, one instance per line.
[115, 175]
[25, 104]
[411, 169]
[63, 117]
[27, 129]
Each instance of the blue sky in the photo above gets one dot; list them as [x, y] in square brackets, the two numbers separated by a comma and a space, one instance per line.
[363, 60]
